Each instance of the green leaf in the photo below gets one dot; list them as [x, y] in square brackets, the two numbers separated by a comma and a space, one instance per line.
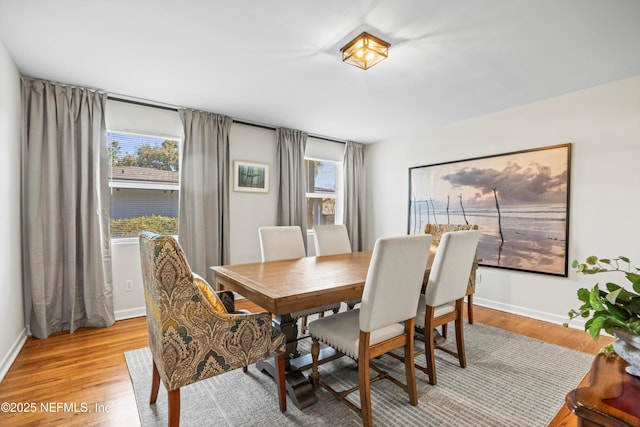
[605, 261]
[624, 258]
[634, 326]
[634, 305]
[618, 313]
[574, 263]
[613, 287]
[594, 299]
[596, 327]
[587, 324]
[625, 296]
[632, 277]
[635, 280]
[583, 295]
[592, 260]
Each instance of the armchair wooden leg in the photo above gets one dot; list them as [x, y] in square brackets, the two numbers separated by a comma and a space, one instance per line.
[303, 324]
[444, 331]
[315, 353]
[470, 308]
[173, 397]
[245, 369]
[282, 388]
[155, 384]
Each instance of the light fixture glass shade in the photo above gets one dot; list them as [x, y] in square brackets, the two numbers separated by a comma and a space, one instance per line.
[365, 51]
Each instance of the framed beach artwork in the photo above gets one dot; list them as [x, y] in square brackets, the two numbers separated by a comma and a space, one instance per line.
[518, 200]
[250, 176]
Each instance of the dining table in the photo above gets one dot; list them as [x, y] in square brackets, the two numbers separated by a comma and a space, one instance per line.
[287, 286]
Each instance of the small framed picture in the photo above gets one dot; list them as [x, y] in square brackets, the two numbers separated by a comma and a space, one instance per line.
[250, 176]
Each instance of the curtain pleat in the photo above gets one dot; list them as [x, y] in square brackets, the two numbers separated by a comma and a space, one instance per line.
[65, 209]
[292, 196]
[204, 190]
[354, 191]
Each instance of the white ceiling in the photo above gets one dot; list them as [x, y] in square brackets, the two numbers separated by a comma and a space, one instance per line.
[277, 62]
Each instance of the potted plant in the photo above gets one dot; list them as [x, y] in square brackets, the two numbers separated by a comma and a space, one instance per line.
[616, 309]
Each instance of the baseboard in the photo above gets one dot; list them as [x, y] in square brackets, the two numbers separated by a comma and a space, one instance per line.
[130, 313]
[577, 323]
[12, 354]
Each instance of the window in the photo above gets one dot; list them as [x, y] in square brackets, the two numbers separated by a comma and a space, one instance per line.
[324, 204]
[145, 182]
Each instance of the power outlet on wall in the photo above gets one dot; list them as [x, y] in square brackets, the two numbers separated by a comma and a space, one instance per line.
[128, 285]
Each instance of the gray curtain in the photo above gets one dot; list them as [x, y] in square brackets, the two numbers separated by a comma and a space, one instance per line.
[292, 195]
[354, 192]
[204, 190]
[65, 209]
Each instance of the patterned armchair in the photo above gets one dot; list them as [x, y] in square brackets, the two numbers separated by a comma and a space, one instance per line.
[436, 232]
[193, 333]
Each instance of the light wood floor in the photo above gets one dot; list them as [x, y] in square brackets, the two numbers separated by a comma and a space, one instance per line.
[87, 368]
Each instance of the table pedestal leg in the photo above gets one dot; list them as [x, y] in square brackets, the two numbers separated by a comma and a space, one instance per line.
[299, 388]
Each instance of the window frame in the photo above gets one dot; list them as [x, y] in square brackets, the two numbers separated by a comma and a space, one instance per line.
[338, 195]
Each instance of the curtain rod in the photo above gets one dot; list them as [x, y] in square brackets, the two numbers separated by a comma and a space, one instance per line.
[241, 122]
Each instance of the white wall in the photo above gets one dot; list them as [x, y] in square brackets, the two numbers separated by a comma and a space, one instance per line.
[602, 123]
[12, 318]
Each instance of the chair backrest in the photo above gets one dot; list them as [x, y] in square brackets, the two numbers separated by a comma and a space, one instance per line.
[331, 239]
[172, 296]
[437, 230]
[394, 280]
[166, 276]
[281, 242]
[451, 267]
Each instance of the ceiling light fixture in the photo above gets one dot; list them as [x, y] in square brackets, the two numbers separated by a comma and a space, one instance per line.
[365, 51]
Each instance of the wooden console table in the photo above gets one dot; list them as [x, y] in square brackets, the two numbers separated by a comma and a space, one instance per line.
[612, 399]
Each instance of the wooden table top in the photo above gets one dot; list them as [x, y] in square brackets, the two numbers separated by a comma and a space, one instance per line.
[287, 286]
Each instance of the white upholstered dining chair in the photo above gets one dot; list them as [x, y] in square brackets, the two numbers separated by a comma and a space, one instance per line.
[383, 322]
[281, 242]
[444, 295]
[333, 239]
[285, 242]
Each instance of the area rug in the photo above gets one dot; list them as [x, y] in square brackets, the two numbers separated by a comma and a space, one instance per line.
[509, 380]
